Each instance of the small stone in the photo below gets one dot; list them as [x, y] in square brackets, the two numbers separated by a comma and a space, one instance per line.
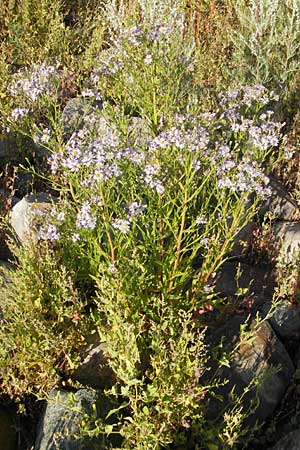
[94, 370]
[255, 281]
[242, 240]
[139, 133]
[75, 111]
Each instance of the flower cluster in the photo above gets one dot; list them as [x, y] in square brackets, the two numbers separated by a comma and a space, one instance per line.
[247, 96]
[150, 44]
[95, 147]
[97, 156]
[30, 85]
[85, 219]
[18, 113]
[48, 232]
[34, 82]
[42, 136]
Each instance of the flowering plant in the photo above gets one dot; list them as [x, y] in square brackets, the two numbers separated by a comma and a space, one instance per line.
[144, 222]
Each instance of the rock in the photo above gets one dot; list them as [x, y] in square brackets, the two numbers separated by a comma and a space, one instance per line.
[139, 133]
[287, 236]
[249, 362]
[280, 204]
[5, 268]
[5, 251]
[285, 319]
[242, 239]
[94, 370]
[24, 215]
[75, 111]
[62, 418]
[8, 431]
[257, 279]
[289, 442]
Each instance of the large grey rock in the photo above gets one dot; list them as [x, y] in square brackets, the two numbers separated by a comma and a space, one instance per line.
[5, 268]
[24, 216]
[289, 442]
[285, 319]
[280, 203]
[287, 237]
[93, 370]
[62, 417]
[256, 281]
[249, 362]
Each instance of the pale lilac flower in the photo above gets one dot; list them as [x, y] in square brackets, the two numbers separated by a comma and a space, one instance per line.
[148, 59]
[75, 237]
[48, 233]
[85, 219]
[96, 199]
[61, 216]
[18, 113]
[87, 93]
[121, 225]
[135, 209]
[43, 137]
[197, 165]
[204, 242]
[112, 268]
[201, 220]
[159, 187]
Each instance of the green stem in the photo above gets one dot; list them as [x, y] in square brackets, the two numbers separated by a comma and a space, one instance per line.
[108, 233]
[179, 242]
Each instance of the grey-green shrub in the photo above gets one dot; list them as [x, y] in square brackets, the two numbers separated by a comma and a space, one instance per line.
[267, 42]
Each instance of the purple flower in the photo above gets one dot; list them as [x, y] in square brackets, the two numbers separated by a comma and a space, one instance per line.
[135, 209]
[121, 225]
[48, 233]
[148, 59]
[84, 218]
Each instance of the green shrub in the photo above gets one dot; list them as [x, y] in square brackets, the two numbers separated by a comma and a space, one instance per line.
[140, 228]
[42, 326]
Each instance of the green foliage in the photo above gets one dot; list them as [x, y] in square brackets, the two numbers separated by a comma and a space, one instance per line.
[267, 44]
[33, 32]
[41, 328]
[144, 219]
[158, 364]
